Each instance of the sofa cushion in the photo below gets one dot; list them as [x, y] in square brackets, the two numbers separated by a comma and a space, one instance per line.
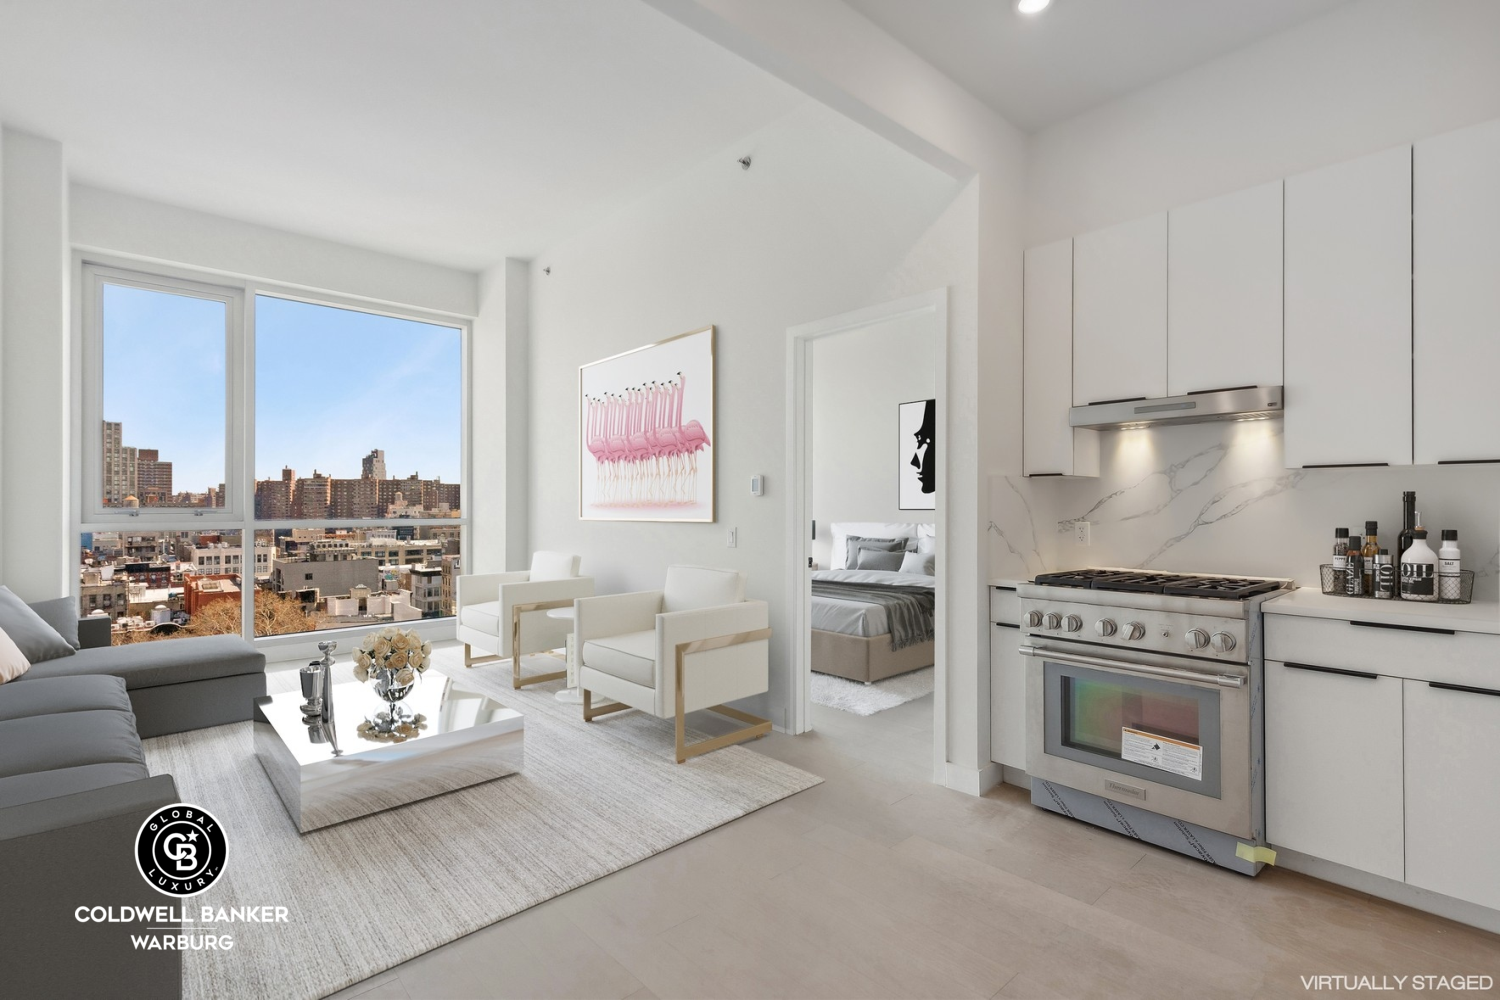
[691, 587]
[553, 566]
[13, 662]
[37, 640]
[62, 615]
[19, 788]
[483, 617]
[54, 695]
[630, 656]
[165, 661]
[68, 739]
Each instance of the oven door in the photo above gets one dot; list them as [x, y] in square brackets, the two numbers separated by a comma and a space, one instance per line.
[1155, 731]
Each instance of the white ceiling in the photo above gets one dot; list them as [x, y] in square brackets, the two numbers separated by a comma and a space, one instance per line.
[460, 131]
[1077, 54]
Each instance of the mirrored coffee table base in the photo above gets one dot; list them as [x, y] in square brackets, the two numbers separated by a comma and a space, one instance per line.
[327, 773]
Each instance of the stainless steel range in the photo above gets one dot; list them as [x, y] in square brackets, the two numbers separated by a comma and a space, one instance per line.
[1144, 694]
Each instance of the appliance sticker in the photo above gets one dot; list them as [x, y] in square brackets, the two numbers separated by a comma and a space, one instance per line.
[1162, 753]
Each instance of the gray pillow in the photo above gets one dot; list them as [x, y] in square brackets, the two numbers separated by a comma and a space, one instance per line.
[923, 563]
[36, 639]
[855, 543]
[62, 615]
[876, 559]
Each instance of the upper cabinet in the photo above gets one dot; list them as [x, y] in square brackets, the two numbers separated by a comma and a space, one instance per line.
[1348, 335]
[1224, 292]
[1456, 338]
[1120, 312]
[1049, 446]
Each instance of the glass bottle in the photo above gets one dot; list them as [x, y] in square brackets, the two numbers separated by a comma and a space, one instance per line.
[1354, 576]
[1370, 551]
[1340, 559]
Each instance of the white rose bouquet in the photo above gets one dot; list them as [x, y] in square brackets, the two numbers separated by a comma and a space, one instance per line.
[392, 657]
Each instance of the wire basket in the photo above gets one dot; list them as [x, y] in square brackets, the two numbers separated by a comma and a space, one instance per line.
[1333, 583]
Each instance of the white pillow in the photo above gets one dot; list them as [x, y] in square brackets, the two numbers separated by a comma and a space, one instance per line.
[926, 538]
[841, 530]
[922, 563]
[13, 662]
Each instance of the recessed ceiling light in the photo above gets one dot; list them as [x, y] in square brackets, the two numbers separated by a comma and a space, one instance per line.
[1032, 6]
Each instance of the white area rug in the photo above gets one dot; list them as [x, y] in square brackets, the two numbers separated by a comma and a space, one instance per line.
[371, 893]
[867, 699]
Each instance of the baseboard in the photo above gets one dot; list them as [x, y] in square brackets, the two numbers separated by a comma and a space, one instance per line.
[972, 781]
[1397, 892]
[1015, 776]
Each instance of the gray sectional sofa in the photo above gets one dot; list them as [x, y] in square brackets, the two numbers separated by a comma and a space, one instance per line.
[74, 789]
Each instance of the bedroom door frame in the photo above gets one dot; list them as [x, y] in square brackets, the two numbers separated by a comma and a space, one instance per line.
[933, 304]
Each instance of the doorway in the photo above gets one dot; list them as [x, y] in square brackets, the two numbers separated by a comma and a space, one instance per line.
[854, 484]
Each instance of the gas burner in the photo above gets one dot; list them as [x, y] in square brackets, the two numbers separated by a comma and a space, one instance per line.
[1173, 584]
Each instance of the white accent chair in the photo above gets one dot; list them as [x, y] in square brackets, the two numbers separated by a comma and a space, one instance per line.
[504, 614]
[692, 645]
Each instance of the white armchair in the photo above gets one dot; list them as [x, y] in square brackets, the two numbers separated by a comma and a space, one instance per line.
[504, 615]
[692, 645]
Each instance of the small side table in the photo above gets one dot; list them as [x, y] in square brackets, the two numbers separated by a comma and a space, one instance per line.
[569, 695]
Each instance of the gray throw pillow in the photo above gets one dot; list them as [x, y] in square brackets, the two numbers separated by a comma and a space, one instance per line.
[37, 640]
[869, 558]
[855, 543]
[923, 563]
[62, 615]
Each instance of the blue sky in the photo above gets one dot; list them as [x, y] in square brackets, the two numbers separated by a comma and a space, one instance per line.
[331, 384]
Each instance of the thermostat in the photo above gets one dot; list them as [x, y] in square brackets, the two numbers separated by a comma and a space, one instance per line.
[757, 486]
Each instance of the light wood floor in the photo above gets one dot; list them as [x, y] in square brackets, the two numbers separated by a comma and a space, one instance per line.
[879, 884]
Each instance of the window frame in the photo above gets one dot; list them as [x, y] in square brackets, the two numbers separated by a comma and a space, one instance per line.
[238, 513]
[95, 515]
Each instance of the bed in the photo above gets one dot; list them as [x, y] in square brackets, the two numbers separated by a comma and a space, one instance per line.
[870, 624]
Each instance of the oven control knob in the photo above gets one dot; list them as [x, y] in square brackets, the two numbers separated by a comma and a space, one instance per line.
[1033, 619]
[1105, 627]
[1073, 623]
[1052, 622]
[1196, 638]
[1223, 642]
[1134, 631]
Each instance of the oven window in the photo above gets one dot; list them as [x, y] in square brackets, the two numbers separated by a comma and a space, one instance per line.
[1094, 712]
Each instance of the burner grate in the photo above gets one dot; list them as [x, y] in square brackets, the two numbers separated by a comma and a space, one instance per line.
[1145, 582]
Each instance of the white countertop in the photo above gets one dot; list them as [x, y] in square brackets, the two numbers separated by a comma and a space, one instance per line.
[1309, 602]
[1008, 584]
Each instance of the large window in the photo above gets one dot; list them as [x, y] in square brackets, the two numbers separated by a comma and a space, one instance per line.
[258, 462]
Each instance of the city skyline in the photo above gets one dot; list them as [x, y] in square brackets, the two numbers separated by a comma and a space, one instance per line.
[370, 382]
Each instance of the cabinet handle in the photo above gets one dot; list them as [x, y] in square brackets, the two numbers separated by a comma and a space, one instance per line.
[1405, 628]
[1041, 475]
[1349, 465]
[1462, 687]
[1468, 461]
[1333, 670]
[1006, 624]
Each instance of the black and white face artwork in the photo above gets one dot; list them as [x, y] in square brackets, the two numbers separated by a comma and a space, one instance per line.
[917, 441]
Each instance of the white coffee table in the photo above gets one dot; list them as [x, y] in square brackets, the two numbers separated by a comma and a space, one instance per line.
[569, 695]
[330, 772]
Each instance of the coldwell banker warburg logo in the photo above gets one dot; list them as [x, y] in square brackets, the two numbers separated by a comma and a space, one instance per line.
[180, 850]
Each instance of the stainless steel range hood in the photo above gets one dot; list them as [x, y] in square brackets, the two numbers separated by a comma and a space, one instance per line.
[1251, 402]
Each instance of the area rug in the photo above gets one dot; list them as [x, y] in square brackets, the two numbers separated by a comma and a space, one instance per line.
[867, 699]
[371, 893]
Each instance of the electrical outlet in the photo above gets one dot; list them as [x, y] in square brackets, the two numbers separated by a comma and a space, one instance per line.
[1083, 533]
[734, 538]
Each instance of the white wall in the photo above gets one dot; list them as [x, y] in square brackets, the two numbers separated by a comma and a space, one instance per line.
[859, 379]
[1361, 78]
[841, 59]
[499, 394]
[35, 447]
[123, 224]
[818, 226]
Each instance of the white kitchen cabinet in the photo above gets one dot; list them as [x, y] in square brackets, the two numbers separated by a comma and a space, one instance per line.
[1007, 697]
[1224, 292]
[1334, 766]
[1120, 312]
[1453, 790]
[1049, 446]
[1348, 389]
[1456, 336]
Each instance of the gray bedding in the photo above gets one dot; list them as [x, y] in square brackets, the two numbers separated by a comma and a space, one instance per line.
[873, 603]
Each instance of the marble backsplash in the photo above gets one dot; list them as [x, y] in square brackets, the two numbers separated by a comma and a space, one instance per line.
[1215, 498]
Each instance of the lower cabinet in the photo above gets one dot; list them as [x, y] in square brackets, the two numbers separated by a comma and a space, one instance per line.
[1007, 697]
[1334, 766]
[1453, 790]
